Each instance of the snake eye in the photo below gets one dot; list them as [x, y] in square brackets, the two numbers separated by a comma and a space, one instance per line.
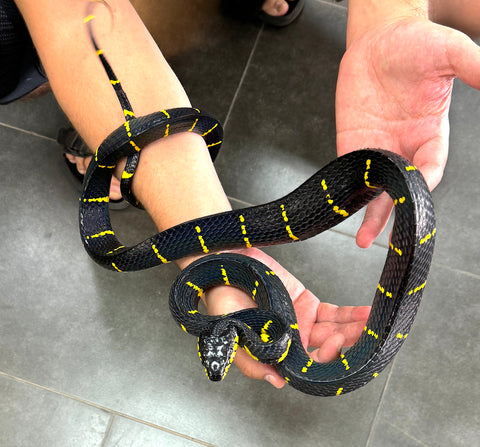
[217, 352]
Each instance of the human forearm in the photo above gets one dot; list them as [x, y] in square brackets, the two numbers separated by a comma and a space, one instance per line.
[364, 15]
[175, 180]
[75, 74]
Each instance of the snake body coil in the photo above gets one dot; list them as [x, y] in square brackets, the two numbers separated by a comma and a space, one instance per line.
[270, 333]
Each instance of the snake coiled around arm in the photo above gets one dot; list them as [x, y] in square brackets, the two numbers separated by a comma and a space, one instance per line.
[270, 332]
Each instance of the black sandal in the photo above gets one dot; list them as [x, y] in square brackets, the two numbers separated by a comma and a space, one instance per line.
[73, 144]
[251, 9]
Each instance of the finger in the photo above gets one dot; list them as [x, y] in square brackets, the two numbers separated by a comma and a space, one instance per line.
[329, 350]
[350, 332]
[306, 308]
[376, 218]
[464, 56]
[431, 158]
[259, 371]
[318, 321]
[348, 321]
[345, 314]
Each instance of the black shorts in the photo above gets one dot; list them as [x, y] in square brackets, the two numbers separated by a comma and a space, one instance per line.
[20, 69]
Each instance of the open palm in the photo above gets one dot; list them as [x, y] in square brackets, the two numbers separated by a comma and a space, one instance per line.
[393, 92]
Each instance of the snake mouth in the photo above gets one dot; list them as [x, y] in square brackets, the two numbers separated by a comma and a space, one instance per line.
[215, 372]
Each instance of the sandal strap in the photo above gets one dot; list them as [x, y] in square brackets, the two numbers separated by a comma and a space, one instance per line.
[73, 143]
[242, 9]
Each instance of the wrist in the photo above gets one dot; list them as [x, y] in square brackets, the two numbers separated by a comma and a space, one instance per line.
[364, 15]
[176, 181]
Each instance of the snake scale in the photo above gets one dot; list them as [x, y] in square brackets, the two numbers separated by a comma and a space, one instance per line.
[270, 331]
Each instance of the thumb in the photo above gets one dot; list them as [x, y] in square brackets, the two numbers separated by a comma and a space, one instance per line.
[431, 157]
[464, 57]
[376, 218]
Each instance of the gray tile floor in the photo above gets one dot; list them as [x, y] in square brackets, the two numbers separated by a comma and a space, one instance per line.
[84, 359]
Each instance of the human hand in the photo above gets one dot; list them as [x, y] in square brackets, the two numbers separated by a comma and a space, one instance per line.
[324, 326]
[393, 92]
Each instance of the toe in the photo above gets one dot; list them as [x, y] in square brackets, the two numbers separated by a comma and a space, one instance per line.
[275, 8]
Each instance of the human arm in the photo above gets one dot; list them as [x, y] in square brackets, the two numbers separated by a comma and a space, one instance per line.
[394, 89]
[175, 180]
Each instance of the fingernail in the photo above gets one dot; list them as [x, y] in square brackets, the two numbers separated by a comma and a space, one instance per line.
[270, 379]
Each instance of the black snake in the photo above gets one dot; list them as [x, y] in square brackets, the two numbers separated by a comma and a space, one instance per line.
[269, 332]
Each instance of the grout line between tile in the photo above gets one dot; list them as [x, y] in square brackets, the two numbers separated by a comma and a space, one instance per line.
[453, 269]
[108, 410]
[108, 430]
[380, 401]
[242, 78]
[408, 435]
[29, 132]
[242, 202]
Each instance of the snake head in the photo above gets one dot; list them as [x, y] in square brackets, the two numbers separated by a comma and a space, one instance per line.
[217, 351]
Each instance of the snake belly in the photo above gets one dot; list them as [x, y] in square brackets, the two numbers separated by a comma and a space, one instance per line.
[330, 196]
